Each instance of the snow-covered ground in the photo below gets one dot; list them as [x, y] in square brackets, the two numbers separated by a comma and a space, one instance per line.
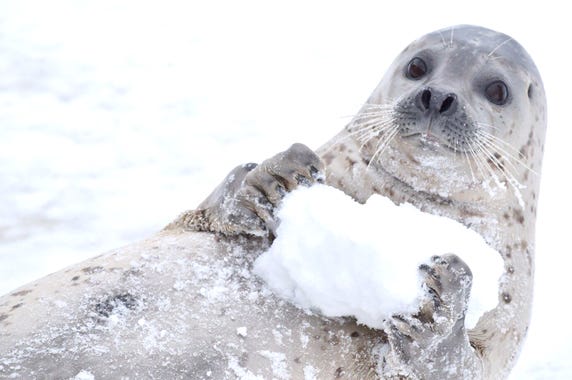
[117, 115]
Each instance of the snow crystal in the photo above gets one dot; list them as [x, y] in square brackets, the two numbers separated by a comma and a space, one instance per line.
[242, 331]
[362, 260]
[83, 375]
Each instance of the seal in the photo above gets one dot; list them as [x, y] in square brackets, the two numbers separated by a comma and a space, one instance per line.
[456, 127]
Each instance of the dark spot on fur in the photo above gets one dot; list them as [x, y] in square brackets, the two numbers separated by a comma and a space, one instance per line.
[297, 360]
[92, 270]
[21, 293]
[517, 214]
[342, 148]
[506, 216]
[506, 298]
[132, 272]
[17, 305]
[383, 338]
[105, 307]
[510, 269]
[328, 158]
[3, 317]
[243, 360]
[75, 278]
[339, 372]
[355, 334]
[351, 162]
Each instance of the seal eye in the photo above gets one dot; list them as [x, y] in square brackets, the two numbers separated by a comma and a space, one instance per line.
[416, 68]
[497, 92]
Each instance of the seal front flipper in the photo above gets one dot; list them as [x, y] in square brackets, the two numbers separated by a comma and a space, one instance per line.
[433, 342]
[245, 201]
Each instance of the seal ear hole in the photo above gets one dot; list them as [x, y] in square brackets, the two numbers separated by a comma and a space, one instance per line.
[529, 92]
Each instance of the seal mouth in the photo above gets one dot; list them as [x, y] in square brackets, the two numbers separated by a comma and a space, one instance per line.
[431, 141]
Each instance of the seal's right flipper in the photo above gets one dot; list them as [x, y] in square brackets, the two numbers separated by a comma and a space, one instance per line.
[244, 203]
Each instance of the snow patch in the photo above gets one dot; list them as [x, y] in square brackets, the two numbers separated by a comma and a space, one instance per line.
[346, 259]
[242, 331]
[310, 373]
[277, 363]
[83, 375]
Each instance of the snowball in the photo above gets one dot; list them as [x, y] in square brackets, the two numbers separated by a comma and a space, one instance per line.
[341, 258]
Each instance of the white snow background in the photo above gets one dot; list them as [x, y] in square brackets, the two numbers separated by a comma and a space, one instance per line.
[117, 115]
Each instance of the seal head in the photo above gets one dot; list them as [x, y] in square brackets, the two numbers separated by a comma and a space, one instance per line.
[451, 112]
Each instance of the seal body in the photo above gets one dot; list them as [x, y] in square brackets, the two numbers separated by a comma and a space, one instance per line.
[175, 306]
[456, 127]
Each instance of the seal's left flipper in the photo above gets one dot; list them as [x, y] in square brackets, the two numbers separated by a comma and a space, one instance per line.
[436, 332]
[244, 203]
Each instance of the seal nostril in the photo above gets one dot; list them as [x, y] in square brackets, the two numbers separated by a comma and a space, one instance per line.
[447, 103]
[426, 98]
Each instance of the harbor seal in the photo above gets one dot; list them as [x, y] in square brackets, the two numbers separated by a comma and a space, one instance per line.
[456, 127]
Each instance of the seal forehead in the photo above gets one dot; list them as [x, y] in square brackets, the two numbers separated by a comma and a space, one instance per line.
[466, 42]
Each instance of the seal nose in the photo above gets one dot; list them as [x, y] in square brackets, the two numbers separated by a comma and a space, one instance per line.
[433, 101]
[449, 104]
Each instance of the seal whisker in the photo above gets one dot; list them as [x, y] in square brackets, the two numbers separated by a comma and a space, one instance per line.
[452, 34]
[373, 122]
[383, 144]
[379, 106]
[443, 39]
[360, 130]
[366, 117]
[503, 143]
[509, 153]
[381, 130]
[492, 160]
[498, 46]
[488, 126]
[477, 161]
[365, 114]
[508, 172]
[467, 157]
[481, 162]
